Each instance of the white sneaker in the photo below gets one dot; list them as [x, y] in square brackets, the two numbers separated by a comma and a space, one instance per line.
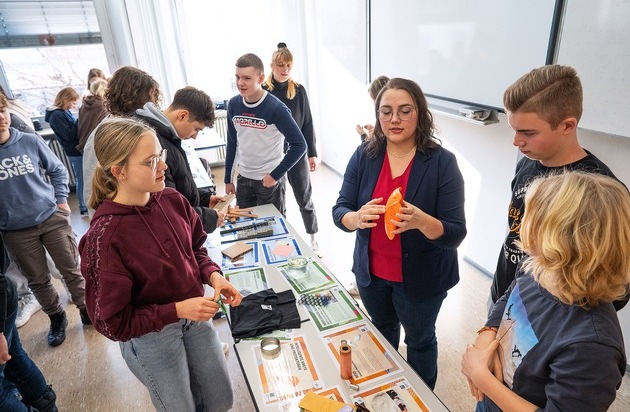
[225, 347]
[27, 307]
[315, 248]
[353, 291]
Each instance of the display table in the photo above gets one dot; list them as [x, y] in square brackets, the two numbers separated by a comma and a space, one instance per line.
[309, 359]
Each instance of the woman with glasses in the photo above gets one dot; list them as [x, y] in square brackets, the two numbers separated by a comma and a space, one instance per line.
[145, 268]
[403, 281]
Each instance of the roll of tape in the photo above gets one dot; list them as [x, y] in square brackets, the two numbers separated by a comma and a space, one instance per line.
[270, 347]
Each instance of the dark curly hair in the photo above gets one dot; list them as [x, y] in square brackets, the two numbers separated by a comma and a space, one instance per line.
[129, 89]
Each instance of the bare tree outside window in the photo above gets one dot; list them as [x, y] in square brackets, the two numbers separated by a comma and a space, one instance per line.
[36, 74]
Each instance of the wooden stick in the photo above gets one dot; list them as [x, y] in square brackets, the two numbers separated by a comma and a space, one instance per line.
[237, 215]
[240, 214]
[239, 210]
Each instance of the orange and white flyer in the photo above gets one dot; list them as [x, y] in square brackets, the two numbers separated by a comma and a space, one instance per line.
[397, 395]
[370, 358]
[290, 374]
[292, 405]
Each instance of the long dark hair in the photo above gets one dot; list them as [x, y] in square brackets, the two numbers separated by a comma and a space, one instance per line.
[425, 140]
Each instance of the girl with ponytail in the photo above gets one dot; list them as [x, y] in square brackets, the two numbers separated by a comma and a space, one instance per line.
[281, 84]
[145, 267]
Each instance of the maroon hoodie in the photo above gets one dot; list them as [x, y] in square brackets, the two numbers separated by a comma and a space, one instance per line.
[138, 261]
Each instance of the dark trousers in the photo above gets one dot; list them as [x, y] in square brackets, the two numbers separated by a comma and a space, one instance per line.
[4, 258]
[29, 247]
[20, 370]
[389, 308]
[300, 180]
[250, 193]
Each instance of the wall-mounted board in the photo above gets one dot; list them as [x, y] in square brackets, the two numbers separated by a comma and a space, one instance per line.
[463, 50]
[595, 39]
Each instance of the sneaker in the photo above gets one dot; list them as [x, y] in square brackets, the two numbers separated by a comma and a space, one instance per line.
[225, 347]
[85, 318]
[58, 324]
[27, 307]
[85, 213]
[315, 248]
[353, 291]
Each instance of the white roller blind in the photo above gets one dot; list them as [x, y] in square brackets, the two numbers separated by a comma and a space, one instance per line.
[47, 23]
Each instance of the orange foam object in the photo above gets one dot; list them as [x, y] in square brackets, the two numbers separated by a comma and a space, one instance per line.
[394, 203]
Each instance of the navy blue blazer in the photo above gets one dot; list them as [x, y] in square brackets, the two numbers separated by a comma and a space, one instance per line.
[429, 267]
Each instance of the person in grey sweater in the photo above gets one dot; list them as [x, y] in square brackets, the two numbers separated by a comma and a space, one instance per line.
[35, 218]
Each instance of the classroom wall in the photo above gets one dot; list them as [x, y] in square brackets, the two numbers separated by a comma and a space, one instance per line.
[487, 158]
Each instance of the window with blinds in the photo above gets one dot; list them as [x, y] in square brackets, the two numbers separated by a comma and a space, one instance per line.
[46, 46]
[48, 23]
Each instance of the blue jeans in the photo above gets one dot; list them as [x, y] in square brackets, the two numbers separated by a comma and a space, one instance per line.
[389, 308]
[20, 370]
[250, 193]
[77, 166]
[182, 366]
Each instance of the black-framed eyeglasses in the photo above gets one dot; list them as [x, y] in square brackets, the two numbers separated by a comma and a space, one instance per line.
[155, 160]
[386, 113]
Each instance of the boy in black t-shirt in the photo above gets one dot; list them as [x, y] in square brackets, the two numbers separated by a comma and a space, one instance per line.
[543, 108]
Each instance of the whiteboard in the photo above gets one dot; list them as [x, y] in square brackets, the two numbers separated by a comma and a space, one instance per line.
[460, 49]
[595, 40]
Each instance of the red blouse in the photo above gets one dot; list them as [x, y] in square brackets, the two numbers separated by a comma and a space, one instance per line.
[386, 255]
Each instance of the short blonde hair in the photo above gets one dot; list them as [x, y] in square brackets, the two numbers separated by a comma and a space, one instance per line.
[98, 87]
[114, 141]
[576, 231]
[65, 95]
